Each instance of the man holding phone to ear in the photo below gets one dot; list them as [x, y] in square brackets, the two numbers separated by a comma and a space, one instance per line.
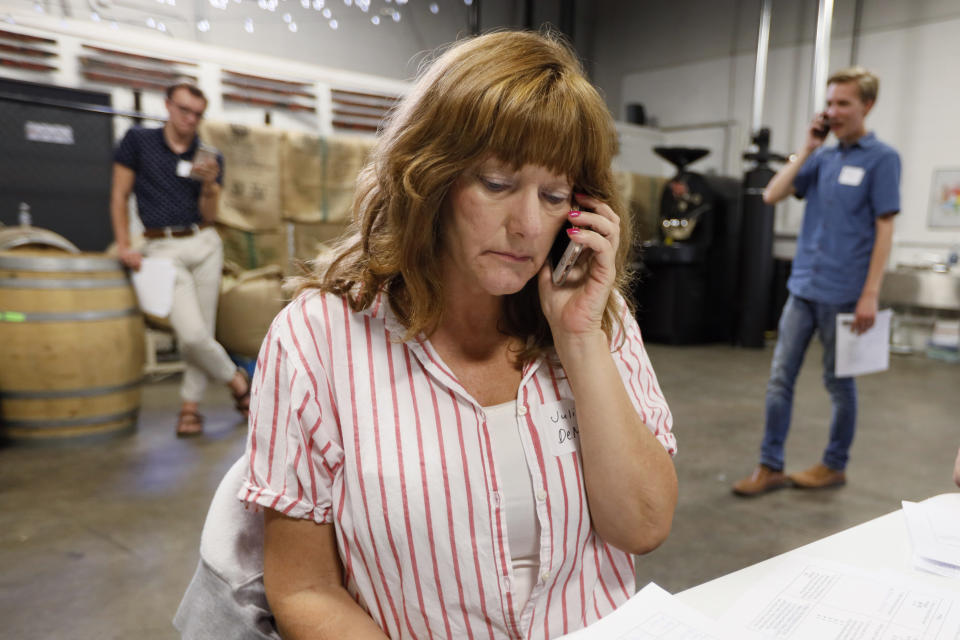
[852, 193]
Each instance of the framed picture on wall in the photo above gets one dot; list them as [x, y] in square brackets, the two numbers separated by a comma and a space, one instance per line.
[944, 199]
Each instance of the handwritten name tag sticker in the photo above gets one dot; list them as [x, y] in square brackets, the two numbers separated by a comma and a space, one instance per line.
[851, 176]
[559, 425]
[184, 167]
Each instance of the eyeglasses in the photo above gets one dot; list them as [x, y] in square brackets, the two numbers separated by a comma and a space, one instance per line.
[187, 111]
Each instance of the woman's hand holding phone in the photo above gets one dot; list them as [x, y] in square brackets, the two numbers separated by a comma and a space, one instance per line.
[576, 303]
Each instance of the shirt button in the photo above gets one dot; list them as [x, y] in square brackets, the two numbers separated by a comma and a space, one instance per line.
[506, 584]
[496, 499]
[522, 410]
[541, 495]
[545, 576]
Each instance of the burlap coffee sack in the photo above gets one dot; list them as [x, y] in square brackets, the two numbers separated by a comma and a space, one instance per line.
[248, 303]
[311, 240]
[645, 206]
[251, 188]
[301, 177]
[252, 250]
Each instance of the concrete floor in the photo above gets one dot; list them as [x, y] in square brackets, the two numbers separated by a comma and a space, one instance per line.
[99, 541]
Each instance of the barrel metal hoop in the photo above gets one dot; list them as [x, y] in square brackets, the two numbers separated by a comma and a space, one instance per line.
[62, 283]
[45, 423]
[46, 263]
[49, 394]
[66, 316]
[24, 241]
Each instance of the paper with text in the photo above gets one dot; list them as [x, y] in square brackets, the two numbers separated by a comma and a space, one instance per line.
[868, 352]
[654, 614]
[814, 598]
[154, 285]
[935, 536]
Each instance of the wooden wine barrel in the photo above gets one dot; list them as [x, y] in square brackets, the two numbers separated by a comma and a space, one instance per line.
[71, 347]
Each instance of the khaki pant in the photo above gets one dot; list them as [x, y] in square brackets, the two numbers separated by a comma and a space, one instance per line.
[198, 260]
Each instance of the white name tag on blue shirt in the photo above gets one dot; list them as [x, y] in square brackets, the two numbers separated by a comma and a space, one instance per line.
[851, 176]
[560, 426]
[184, 167]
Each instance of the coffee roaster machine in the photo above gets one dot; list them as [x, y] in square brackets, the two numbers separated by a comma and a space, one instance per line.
[687, 286]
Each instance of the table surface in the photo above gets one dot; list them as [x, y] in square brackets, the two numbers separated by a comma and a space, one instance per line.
[881, 543]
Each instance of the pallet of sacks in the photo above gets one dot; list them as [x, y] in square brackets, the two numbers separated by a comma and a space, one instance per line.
[287, 197]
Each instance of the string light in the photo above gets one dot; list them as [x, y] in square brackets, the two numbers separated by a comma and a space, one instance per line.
[380, 12]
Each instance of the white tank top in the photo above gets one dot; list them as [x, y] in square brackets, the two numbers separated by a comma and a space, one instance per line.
[516, 491]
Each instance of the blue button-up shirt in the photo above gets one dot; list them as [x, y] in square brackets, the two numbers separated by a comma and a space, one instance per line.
[847, 187]
[164, 199]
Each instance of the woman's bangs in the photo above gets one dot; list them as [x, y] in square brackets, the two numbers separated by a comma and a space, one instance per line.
[547, 130]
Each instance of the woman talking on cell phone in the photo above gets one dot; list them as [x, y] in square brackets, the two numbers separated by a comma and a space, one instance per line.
[445, 443]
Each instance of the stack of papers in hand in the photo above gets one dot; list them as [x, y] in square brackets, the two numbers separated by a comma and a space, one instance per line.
[935, 536]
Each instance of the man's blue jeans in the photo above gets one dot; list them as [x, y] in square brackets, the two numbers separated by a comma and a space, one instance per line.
[799, 320]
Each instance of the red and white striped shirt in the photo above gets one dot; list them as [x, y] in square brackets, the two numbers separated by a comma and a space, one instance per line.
[378, 437]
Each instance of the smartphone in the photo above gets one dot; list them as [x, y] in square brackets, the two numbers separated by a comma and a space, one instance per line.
[563, 255]
[824, 128]
[203, 155]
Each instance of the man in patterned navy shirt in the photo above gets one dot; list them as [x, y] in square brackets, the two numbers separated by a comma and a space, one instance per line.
[176, 181]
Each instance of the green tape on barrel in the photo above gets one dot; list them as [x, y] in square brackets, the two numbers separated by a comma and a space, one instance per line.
[67, 316]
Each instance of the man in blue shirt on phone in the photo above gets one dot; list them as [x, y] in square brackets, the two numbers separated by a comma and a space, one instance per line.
[852, 192]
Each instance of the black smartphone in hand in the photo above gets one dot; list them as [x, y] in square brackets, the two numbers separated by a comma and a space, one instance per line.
[824, 128]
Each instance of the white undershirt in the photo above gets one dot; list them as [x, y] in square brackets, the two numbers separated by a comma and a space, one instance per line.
[523, 528]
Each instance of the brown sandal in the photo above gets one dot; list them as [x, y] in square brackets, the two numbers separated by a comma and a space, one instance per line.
[241, 401]
[189, 424]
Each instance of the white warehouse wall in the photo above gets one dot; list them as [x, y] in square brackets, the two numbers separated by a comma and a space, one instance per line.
[912, 53]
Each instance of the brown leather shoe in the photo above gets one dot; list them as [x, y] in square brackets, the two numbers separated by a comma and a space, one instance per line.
[819, 476]
[762, 480]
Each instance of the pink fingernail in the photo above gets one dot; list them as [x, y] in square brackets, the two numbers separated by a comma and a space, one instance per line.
[572, 231]
[574, 214]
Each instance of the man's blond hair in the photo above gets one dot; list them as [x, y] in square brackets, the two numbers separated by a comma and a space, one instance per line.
[867, 83]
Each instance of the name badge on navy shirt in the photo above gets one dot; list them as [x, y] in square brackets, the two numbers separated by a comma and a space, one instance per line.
[851, 176]
[560, 426]
[184, 167]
